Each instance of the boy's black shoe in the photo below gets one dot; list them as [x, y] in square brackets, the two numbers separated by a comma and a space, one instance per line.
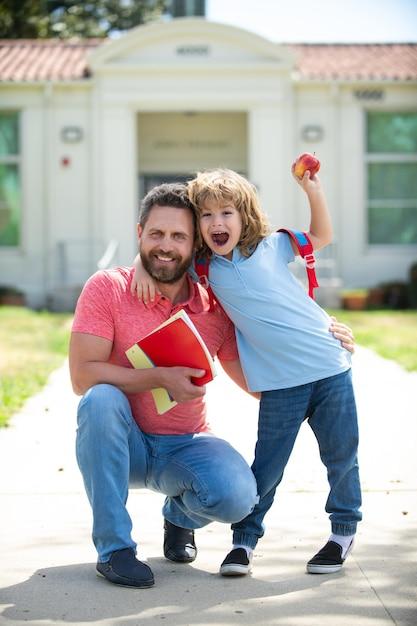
[179, 543]
[329, 559]
[237, 563]
[124, 569]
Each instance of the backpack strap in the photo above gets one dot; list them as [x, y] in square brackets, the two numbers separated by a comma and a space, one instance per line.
[305, 248]
[201, 267]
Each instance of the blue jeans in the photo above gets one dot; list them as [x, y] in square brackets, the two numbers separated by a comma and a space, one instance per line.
[329, 405]
[203, 477]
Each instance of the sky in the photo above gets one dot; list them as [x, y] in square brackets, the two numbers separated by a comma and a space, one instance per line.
[321, 21]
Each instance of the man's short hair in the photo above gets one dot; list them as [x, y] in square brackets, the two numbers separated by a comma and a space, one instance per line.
[168, 194]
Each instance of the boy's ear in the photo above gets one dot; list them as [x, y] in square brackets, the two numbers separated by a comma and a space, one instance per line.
[139, 230]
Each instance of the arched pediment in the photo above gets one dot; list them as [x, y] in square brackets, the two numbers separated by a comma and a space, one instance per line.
[189, 41]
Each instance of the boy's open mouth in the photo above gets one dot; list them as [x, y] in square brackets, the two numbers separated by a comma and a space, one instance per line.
[220, 238]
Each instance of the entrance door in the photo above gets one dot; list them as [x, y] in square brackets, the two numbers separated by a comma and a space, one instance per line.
[172, 146]
[148, 181]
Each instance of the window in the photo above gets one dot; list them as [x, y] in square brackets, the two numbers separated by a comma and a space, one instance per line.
[392, 177]
[9, 179]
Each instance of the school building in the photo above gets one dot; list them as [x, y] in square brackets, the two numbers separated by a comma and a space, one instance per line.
[88, 126]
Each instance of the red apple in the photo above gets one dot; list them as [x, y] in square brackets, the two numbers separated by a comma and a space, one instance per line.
[306, 162]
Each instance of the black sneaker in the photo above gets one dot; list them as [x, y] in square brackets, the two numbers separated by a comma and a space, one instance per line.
[329, 559]
[179, 544]
[124, 569]
[237, 563]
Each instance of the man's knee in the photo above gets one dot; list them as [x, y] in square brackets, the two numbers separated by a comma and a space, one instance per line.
[236, 496]
[101, 405]
[244, 497]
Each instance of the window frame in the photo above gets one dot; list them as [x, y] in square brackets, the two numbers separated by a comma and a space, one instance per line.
[15, 159]
[384, 157]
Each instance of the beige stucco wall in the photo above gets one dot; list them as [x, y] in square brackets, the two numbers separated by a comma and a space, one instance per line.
[363, 264]
[142, 93]
[55, 198]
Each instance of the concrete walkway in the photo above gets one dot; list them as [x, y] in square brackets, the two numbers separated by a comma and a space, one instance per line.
[47, 574]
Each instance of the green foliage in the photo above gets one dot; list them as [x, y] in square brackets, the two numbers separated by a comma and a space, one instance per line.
[42, 19]
[7, 290]
[32, 345]
[392, 334]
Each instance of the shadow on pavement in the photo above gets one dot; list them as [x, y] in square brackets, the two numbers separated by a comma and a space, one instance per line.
[182, 595]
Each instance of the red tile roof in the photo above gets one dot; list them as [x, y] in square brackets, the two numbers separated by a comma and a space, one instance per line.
[44, 59]
[23, 60]
[357, 61]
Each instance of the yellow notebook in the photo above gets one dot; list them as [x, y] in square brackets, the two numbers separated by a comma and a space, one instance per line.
[139, 360]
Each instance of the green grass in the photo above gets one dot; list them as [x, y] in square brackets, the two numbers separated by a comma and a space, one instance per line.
[392, 334]
[32, 345]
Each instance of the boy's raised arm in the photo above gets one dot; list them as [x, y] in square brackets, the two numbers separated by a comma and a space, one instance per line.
[321, 230]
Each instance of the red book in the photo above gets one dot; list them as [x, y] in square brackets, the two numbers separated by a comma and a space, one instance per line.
[176, 342]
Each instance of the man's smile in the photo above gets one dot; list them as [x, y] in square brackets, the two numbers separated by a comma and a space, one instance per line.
[164, 259]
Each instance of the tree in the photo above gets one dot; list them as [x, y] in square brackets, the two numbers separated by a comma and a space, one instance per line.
[34, 19]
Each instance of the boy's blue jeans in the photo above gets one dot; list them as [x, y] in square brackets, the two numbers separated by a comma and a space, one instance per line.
[203, 477]
[330, 406]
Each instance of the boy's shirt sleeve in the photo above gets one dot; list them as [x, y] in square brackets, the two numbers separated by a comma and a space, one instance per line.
[284, 247]
[93, 313]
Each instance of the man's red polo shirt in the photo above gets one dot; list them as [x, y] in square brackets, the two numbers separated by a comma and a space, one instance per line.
[106, 308]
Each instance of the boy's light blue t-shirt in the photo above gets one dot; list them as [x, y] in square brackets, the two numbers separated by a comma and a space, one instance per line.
[282, 334]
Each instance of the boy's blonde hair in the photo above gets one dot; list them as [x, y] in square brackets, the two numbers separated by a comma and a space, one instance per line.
[223, 185]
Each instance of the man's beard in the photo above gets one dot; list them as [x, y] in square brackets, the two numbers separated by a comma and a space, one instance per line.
[170, 274]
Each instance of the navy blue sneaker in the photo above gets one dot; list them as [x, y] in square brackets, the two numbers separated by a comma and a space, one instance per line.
[236, 563]
[329, 559]
[124, 569]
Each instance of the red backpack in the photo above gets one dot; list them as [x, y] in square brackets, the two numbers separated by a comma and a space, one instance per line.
[304, 247]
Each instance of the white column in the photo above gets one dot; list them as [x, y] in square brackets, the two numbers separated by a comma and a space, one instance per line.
[118, 202]
[270, 160]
